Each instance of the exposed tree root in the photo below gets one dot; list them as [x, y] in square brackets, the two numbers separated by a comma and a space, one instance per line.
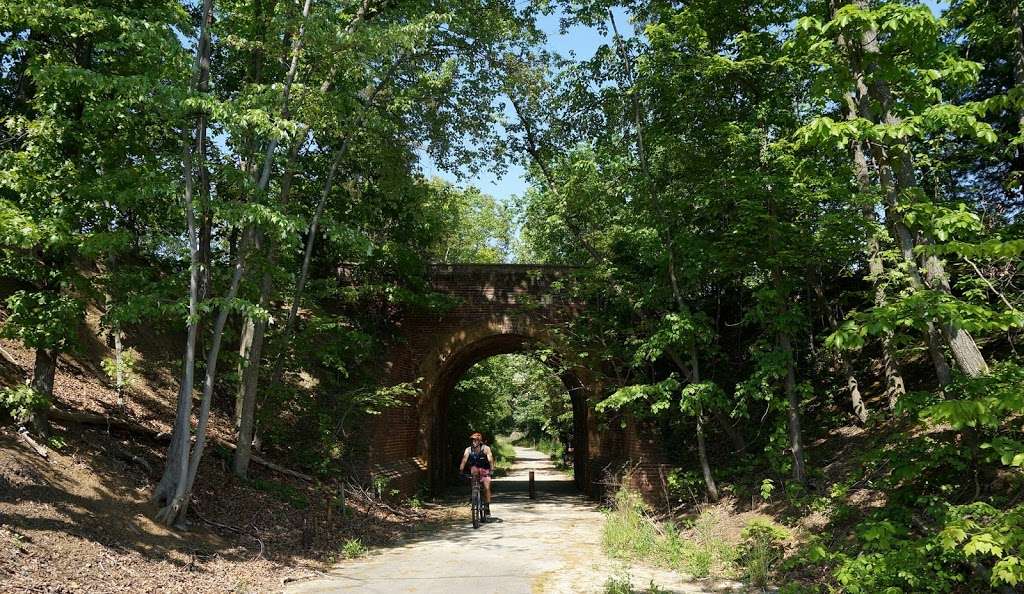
[36, 446]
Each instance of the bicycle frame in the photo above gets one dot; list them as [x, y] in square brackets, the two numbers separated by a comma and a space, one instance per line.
[475, 503]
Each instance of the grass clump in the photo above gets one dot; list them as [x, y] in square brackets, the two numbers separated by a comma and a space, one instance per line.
[631, 533]
[761, 550]
[620, 583]
[353, 548]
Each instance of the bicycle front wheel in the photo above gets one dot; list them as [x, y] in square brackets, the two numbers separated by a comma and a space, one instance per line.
[477, 508]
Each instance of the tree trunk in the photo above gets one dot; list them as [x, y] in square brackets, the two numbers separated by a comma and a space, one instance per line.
[244, 358]
[965, 350]
[793, 400]
[185, 488]
[44, 370]
[250, 377]
[899, 162]
[894, 385]
[277, 370]
[176, 470]
[906, 245]
[702, 453]
[860, 410]
[119, 379]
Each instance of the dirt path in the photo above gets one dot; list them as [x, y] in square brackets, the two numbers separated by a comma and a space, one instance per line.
[550, 544]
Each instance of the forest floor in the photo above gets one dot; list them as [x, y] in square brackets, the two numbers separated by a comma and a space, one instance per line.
[80, 520]
[550, 544]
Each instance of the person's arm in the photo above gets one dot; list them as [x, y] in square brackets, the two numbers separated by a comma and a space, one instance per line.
[465, 458]
[490, 456]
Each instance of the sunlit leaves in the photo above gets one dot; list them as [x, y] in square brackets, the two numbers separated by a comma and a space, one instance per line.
[42, 319]
[643, 398]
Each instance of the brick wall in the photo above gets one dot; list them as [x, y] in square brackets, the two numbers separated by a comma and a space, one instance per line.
[497, 309]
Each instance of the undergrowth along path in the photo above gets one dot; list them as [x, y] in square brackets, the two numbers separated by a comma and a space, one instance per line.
[547, 545]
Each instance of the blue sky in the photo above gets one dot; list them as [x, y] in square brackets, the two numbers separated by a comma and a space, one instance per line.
[583, 42]
[580, 41]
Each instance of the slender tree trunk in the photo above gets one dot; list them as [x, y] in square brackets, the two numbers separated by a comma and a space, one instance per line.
[185, 489]
[119, 365]
[250, 378]
[176, 471]
[277, 371]
[793, 401]
[175, 512]
[702, 452]
[249, 357]
[244, 355]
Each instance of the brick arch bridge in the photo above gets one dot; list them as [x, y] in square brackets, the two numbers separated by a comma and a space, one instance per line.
[498, 309]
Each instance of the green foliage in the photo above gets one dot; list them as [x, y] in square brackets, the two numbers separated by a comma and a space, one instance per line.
[21, 402]
[982, 402]
[470, 227]
[620, 583]
[761, 550]
[42, 319]
[122, 371]
[353, 548]
[651, 397]
[509, 393]
[630, 533]
[504, 454]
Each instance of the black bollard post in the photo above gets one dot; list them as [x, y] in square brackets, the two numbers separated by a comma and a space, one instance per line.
[533, 492]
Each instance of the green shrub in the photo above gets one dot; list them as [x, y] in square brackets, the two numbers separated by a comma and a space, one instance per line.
[619, 584]
[628, 529]
[125, 368]
[631, 533]
[761, 550]
[504, 455]
[21, 402]
[353, 548]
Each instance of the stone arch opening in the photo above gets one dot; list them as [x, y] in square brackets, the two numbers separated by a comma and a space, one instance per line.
[495, 309]
[461, 351]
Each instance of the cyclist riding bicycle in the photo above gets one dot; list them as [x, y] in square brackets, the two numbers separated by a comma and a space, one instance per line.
[480, 460]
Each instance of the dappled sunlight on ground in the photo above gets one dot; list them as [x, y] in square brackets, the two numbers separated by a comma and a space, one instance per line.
[549, 544]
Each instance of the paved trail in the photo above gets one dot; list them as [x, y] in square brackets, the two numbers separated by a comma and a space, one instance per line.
[548, 545]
